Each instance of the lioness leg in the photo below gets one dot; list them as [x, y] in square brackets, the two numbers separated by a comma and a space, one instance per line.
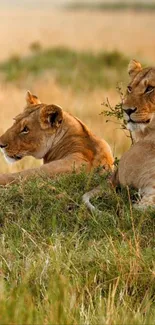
[66, 165]
[145, 202]
[88, 195]
[113, 180]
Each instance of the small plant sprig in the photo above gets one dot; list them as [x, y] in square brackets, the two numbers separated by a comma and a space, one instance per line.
[116, 111]
[116, 162]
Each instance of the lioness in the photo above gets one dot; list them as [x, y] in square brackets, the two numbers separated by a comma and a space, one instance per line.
[60, 139]
[137, 166]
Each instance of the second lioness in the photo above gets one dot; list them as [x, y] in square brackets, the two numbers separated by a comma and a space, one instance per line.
[136, 167]
[60, 139]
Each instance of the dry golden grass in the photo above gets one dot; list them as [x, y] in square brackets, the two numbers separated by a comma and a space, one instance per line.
[129, 32]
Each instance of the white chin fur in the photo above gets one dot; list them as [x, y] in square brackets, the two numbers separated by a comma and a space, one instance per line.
[7, 158]
[136, 127]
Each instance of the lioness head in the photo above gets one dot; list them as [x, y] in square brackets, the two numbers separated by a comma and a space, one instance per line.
[139, 103]
[33, 131]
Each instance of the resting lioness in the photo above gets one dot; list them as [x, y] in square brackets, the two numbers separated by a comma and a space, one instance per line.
[60, 139]
[137, 166]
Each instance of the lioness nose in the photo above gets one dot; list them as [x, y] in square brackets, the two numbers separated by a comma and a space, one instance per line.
[129, 111]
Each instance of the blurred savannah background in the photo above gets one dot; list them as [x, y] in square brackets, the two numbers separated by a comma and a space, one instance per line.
[73, 54]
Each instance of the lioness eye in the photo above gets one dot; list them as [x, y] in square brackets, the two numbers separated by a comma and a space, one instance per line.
[129, 88]
[25, 130]
[149, 89]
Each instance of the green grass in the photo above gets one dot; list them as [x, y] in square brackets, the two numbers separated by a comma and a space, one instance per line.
[80, 70]
[117, 5]
[62, 265]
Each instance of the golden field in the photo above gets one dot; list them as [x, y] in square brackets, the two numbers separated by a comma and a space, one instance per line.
[128, 32]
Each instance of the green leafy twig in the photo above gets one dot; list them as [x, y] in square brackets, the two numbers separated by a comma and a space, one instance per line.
[116, 112]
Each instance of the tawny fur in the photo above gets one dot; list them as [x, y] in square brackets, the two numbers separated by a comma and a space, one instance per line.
[60, 139]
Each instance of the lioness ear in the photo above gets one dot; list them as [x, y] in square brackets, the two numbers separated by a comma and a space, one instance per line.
[51, 116]
[32, 99]
[134, 67]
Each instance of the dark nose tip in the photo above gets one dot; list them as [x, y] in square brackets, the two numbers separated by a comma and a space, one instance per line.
[3, 145]
[129, 111]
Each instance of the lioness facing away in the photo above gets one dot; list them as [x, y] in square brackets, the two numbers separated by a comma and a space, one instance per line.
[60, 139]
[137, 166]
